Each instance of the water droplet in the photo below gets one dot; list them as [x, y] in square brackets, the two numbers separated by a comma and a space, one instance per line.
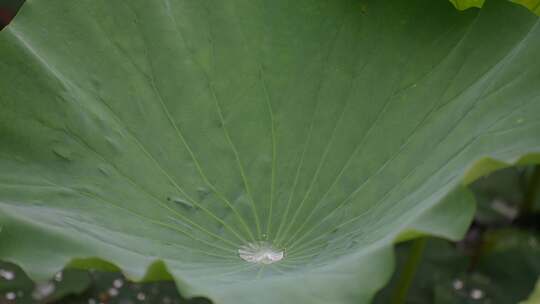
[457, 284]
[104, 170]
[352, 244]
[141, 296]
[10, 296]
[113, 292]
[260, 253]
[118, 283]
[6, 274]
[58, 276]
[477, 294]
[43, 290]
[182, 202]
[202, 193]
[92, 301]
[62, 153]
[113, 143]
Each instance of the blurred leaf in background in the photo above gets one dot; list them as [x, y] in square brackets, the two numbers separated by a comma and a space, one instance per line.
[16, 287]
[497, 262]
[506, 272]
[74, 286]
[8, 9]
[535, 296]
[501, 195]
[114, 288]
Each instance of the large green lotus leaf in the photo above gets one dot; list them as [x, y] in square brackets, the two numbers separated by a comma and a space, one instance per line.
[533, 5]
[160, 137]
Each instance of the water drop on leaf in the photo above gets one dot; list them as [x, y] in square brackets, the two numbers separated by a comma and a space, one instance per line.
[182, 202]
[260, 253]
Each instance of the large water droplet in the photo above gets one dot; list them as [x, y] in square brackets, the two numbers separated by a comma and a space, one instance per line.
[260, 253]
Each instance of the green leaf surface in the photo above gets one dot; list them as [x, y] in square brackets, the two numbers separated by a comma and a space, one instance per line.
[165, 135]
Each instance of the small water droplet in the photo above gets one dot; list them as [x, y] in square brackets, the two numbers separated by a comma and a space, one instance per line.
[113, 143]
[10, 296]
[260, 253]
[141, 296]
[118, 283]
[113, 292]
[477, 294]
[182, 202]
[104, 170]
[202, 193]
[58, 276]
[62, 153]
[7, 274]
[42, 290]
[352, 244]
[457, 284]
